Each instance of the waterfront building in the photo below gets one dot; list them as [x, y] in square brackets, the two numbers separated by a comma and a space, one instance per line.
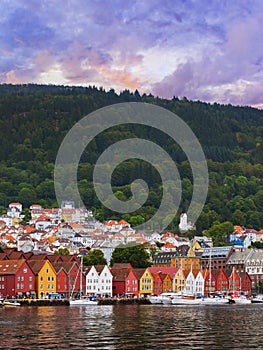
[179, 280]
[133, 281]
[146, 283]
[16, 278]
[45, 277]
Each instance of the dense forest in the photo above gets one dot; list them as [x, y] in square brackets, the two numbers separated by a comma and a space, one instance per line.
[35, 118]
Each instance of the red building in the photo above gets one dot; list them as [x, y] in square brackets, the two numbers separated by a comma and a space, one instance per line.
[119, 277]
[246, 283]
[158, 283]
[16, 278]
[132, 283]
[209, 282]
[62, 279]
[221, 281]
[234, 280]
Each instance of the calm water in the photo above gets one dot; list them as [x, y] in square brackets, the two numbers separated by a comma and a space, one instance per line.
[132, 327]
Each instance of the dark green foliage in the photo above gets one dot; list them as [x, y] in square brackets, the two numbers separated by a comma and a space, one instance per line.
[95, 257]
[35, 118]
[131, 253]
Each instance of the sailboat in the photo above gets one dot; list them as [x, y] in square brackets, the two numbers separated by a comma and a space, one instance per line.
[213, 298]
[82, 300]
[236, 297]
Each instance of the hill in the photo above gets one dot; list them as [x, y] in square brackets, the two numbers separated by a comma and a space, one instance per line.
[35, 118]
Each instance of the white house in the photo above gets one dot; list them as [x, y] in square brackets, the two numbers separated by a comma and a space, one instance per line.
[98, 280]
[105, 280]
[199, 284]
[190, 283]
[92, 280]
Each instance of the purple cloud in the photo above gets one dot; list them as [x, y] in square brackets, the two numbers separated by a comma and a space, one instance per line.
[202, 50]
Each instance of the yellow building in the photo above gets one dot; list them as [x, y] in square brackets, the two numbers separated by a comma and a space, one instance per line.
[167, 283]
[46, 281]
[179, 281]
[146, 283]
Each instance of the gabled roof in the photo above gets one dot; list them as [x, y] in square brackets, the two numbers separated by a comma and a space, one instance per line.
[15, 255]
[138, 272]
[39, 257]
[171, 271]
[119, 275]
[10, 267]
[36, 265]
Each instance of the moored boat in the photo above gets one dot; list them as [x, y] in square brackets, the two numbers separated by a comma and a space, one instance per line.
[258, 299]
[240, 299]
[87, 300]
[163, 298]
[11, 303]
[186, 300]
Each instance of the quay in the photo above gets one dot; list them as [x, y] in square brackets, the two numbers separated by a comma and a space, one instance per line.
[65, 302]
[123, 301]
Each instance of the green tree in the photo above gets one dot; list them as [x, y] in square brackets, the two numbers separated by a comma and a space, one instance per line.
[95, 257]
[219, 231]
[62, 251]
[135, 254]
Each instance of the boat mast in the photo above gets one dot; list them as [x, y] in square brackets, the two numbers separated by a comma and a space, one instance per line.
[80, 278]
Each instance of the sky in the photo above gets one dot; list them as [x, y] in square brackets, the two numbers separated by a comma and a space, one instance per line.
[204, 50]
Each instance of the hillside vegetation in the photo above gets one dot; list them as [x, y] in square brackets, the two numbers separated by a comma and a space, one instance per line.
[34, 120]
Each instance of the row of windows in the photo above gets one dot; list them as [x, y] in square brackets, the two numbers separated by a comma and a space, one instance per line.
[2, 286]
[64, 279]
[21, 278]
[146, 280]
[134, 289]
[146, 287]
[133, 281]
[65, 287]
[2, 278]
[49, 286]
[49, 278]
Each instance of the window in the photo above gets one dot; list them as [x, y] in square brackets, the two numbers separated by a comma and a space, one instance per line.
[30, 278]
[47, 271]
[22, 278]
[18, 278]
[30, 286]
[41, 286]
[52, 278]
[41, 278]
[25, 270]
[48, 278]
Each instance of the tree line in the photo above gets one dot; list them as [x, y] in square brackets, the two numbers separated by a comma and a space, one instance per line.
[35, 118]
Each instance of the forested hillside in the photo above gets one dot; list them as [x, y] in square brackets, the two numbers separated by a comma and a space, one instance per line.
[34, 120]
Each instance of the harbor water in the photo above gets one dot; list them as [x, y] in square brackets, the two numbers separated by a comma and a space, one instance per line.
[132, 327]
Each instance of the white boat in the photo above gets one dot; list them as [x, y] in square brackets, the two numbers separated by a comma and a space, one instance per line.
[186, 300]
[215, 301]
[240, 299]
[11, 303]
[86, 300]
[163, 298]
[258, 299]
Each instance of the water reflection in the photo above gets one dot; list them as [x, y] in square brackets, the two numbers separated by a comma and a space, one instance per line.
[131, 327]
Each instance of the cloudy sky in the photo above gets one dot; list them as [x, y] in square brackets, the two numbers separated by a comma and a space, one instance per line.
[206, 50]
